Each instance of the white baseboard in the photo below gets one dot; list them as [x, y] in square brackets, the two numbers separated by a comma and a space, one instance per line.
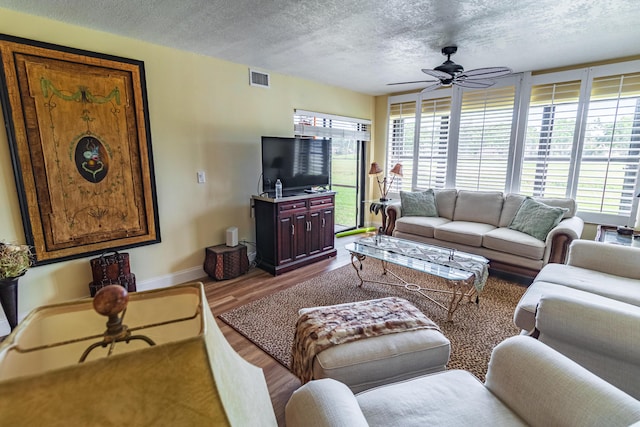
[188, 275]
[167, 280]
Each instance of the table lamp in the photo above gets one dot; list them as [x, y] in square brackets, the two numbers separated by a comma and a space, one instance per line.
[383, 185]
[183, 372]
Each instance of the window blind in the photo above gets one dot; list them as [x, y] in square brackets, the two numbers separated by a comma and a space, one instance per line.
[611, 149]
[433, 142]
[549, 139]
[308, 123]
[402, 124]
[486, 121]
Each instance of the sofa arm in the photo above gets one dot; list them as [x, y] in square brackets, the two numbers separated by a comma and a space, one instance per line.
[324, 403]
[607, 258]
[560, 237]
[599, 333]
[394, 211]
[546, 388]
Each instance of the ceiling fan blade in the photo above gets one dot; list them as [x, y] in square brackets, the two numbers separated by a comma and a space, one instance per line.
[486, 73]
[441, 75]
[473, 83]
[405, 83]
[431, 87]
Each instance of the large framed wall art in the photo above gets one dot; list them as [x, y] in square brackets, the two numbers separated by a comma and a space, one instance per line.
[78, 129]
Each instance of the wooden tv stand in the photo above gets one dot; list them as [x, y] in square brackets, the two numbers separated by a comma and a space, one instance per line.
[294, 231]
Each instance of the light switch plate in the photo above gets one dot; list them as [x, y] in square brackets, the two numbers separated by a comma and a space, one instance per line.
[201, 177]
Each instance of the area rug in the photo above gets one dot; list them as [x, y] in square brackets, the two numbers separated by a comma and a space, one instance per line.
[476, 328]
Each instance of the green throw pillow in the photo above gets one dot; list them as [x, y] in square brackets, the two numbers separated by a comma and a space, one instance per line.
[536, 219]
[420, 203]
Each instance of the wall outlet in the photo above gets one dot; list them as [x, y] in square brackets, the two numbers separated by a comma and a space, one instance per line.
[202, 178]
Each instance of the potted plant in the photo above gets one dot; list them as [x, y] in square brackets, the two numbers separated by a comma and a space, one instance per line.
[15, 260]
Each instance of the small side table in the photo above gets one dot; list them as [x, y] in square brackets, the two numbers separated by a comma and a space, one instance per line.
[226, 262]
[376, 206]
[609, 234]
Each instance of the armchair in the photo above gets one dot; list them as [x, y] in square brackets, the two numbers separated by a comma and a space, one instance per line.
[599, 334]
[527, 383]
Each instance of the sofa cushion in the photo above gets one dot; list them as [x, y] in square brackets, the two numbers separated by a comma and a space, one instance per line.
[514, 242]
[479, 206]
[568, 204]
[446, 202]
[419, 203]
[613, 259]
[524, 315]
[419, 225]
[536, 219]
[608, 285]
[512, 202]
[452, 397]
[463, 232]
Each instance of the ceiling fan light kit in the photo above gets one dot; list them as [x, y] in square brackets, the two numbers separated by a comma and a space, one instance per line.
[450, 73]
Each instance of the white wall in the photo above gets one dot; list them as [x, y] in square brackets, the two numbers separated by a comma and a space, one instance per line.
[204, 116]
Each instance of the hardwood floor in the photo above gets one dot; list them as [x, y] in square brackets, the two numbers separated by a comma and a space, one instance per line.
[228, 294]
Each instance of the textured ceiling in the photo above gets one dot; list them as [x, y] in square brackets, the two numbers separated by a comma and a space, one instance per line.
[364, 44]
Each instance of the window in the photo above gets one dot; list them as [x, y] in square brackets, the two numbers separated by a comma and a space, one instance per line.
[611, 148]
[549, 139]
[402, 126]
[484, 138]
[566, 134]
[433, 143]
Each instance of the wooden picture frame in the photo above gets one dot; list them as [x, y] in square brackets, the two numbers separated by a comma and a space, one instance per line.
[78, 130]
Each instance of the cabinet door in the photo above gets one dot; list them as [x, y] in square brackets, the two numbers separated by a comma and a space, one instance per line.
[327, 231]
[299, 235]
[314, 233]
[285, 239]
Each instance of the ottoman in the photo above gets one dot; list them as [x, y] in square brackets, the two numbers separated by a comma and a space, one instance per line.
[383, 359]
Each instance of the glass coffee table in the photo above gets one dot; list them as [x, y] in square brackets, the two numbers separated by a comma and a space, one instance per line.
[464, 273]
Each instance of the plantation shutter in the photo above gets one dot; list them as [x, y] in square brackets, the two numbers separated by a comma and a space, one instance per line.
[433, 141]
[486, 122]
[549, 139]
[402, 124]
[611, 148]
[309, 123]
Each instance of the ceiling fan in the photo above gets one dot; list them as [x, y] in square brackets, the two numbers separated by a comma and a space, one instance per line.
[451, 73]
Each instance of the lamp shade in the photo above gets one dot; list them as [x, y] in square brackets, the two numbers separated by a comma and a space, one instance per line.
[375, 169]
[397, 170]
[191, 376]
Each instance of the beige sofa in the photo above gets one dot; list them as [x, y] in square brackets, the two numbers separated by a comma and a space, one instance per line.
[527, 383]
[593, 270]
[600, 334]
[478, 222]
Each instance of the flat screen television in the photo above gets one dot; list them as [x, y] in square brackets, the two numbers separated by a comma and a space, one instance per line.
[300, 163]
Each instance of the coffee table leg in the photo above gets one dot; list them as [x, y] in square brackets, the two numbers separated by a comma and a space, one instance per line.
[457, 294]
[358, 267]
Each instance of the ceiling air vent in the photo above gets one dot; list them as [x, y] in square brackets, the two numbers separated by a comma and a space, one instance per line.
[257, 78]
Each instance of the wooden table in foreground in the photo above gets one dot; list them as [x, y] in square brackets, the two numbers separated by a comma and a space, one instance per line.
[418, 256]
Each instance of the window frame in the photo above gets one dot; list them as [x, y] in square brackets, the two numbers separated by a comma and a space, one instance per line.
[523, 83]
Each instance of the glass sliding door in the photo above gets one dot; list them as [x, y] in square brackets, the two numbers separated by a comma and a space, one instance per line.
[346, 172]
[348, 136]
